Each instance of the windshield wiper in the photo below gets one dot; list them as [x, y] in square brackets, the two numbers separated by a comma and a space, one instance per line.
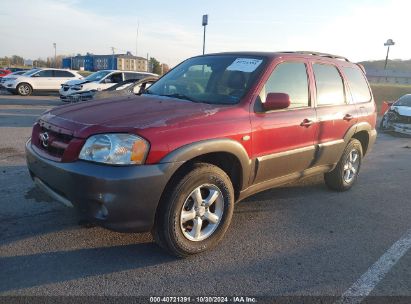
[181, 96]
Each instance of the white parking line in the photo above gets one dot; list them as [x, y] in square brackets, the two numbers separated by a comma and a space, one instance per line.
[369, 280]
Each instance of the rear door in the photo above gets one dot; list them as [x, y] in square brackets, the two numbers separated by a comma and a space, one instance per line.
[283, 140]
[336, 114]
[360, 93]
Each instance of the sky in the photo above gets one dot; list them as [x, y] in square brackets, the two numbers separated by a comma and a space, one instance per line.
[171, 31]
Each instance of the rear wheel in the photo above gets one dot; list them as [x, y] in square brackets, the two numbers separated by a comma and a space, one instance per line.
[24, 89]
[196, 212]
[346, 172]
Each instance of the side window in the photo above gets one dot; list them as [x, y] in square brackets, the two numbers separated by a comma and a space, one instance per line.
[330, 87]
[64, 74]
[116, 78]
[289, 78]
[45, 73]
[358, 85]
[134, 76]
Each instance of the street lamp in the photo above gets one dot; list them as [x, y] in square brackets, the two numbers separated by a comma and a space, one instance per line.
[55, 55]
[388, 43]
[205, 22]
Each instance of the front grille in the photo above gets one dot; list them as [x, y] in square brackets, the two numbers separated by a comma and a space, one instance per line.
[50, 140]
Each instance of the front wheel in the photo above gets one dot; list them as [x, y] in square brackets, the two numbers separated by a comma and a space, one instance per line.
[24, 89]
[346, 172]
[196, 212]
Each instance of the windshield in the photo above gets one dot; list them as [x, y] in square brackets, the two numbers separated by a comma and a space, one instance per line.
[97, 76]
[31, 72]
[222, 79]
[404, 101]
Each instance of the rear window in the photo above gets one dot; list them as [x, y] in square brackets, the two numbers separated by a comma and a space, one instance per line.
[358, 85]
[329, 84]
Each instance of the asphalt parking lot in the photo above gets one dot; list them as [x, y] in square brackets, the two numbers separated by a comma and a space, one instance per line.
[300, 239]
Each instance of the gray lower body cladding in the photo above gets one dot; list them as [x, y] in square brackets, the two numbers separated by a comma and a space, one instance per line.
[120, 198]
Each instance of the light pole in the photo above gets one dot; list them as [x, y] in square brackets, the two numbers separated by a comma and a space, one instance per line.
[55, 55]
[205, 23]
[388, 43]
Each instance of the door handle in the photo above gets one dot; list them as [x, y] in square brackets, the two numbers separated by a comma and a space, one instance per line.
[348, 117]
[306, 123]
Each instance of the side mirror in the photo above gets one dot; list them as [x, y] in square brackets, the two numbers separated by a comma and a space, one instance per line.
[107, 80]
[276, 101]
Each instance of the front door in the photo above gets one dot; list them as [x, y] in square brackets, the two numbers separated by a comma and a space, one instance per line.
[283, 140]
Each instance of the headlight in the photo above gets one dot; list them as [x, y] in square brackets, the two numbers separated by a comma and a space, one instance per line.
[77, 87]
[115, 149]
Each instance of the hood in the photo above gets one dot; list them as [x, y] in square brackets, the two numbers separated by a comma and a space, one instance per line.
[76, 81]
[125, 114]
[403, 110]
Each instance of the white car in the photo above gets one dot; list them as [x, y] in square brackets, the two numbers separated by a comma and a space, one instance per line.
[11, 75]
[39, 80]
[99, 81]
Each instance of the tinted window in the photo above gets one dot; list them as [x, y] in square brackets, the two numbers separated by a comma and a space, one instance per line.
[330, 88]
[135, 76]
[116, 77]
[289, 78]
[358, 85]
[45, 73]
[65, 74]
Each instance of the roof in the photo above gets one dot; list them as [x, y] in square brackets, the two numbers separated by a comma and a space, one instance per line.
[284, 53]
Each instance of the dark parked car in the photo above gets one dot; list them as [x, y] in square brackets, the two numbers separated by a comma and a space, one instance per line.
[212, 131]
[125, 88]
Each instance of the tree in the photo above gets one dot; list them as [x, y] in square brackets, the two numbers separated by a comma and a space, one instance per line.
[154, 66]
[17, 60]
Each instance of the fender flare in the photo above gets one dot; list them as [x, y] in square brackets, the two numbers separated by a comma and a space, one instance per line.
[192, 150]
[358, 127]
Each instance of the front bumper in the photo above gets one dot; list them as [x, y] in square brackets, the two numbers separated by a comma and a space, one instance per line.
[120, 198]
[402, 128]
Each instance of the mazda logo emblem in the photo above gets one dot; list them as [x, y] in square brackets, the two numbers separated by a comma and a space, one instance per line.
[44, 138]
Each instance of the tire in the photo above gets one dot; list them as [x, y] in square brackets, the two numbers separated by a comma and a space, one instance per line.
[345, 174]
[175, 228]
[24, 89]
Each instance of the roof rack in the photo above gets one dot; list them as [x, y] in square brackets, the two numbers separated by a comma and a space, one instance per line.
[318, 54]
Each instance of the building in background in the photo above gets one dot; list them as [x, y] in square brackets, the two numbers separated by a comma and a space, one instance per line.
[388, 76]
[91, 62]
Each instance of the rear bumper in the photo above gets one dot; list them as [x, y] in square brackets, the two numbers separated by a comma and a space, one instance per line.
[120, 198]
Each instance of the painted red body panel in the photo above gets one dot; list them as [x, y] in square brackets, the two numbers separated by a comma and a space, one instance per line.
[169, 123]
[4, 73]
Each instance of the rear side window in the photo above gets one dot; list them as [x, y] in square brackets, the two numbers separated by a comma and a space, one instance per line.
[134, 76]
[330, 87]
[358, 85]
[64, 74]
[289, 78]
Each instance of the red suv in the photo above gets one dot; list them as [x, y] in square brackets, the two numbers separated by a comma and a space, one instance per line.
[212, 131]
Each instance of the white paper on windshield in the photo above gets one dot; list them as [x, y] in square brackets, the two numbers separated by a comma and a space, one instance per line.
[247, 65]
